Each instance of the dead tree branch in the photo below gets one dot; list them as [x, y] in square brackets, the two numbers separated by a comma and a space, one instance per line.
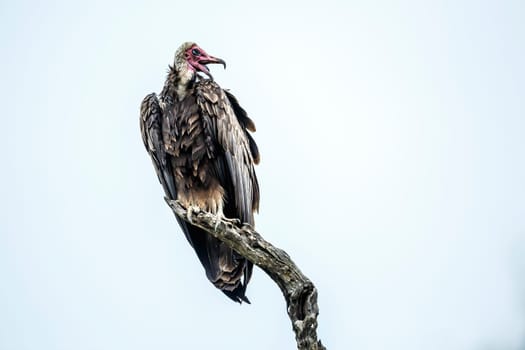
[299, 292]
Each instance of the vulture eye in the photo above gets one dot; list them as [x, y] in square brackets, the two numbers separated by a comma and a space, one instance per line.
[195, 52]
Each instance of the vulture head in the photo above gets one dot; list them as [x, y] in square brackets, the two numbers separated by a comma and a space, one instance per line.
[190, 59]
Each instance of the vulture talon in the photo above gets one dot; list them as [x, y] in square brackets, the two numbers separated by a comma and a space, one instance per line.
[217, 222]
[234, 222]
[192, 209]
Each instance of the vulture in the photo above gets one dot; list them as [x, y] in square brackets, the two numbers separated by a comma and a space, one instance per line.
[197, 135]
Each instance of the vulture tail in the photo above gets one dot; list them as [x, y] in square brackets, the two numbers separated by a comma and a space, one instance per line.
[226, 269]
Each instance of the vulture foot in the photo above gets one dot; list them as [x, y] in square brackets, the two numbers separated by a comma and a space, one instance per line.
[234, 222]
[192, 209]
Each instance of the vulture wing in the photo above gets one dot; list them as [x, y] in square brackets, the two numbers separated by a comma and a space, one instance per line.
[229, 124]
[151, 130]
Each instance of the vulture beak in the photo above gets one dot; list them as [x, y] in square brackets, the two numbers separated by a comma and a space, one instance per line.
[207, 59]
[211, 59]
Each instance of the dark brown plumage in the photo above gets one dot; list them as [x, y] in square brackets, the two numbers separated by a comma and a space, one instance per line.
[197, 136]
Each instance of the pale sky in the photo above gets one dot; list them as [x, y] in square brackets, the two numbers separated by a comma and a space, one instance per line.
[392, 137]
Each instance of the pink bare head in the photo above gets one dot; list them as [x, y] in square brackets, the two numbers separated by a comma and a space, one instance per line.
[191, 57]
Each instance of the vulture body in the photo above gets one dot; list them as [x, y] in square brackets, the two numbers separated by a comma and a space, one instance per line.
[198, 137]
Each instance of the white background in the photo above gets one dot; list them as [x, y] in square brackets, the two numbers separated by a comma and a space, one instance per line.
[392, 142]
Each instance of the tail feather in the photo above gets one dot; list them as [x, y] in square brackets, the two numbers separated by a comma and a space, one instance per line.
[226, 269]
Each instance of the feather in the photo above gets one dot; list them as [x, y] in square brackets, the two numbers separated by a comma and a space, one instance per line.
[150, 126]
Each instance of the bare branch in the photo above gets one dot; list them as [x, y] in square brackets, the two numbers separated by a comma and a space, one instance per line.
[299, 292]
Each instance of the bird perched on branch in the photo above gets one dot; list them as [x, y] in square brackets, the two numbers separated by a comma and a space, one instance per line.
[198, 137]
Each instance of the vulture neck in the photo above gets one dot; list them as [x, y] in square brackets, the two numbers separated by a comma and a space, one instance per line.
[180, 80]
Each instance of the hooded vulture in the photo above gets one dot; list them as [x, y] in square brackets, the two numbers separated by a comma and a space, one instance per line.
[198, 138]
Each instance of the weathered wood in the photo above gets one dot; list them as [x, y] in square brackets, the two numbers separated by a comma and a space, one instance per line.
[299, 292]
